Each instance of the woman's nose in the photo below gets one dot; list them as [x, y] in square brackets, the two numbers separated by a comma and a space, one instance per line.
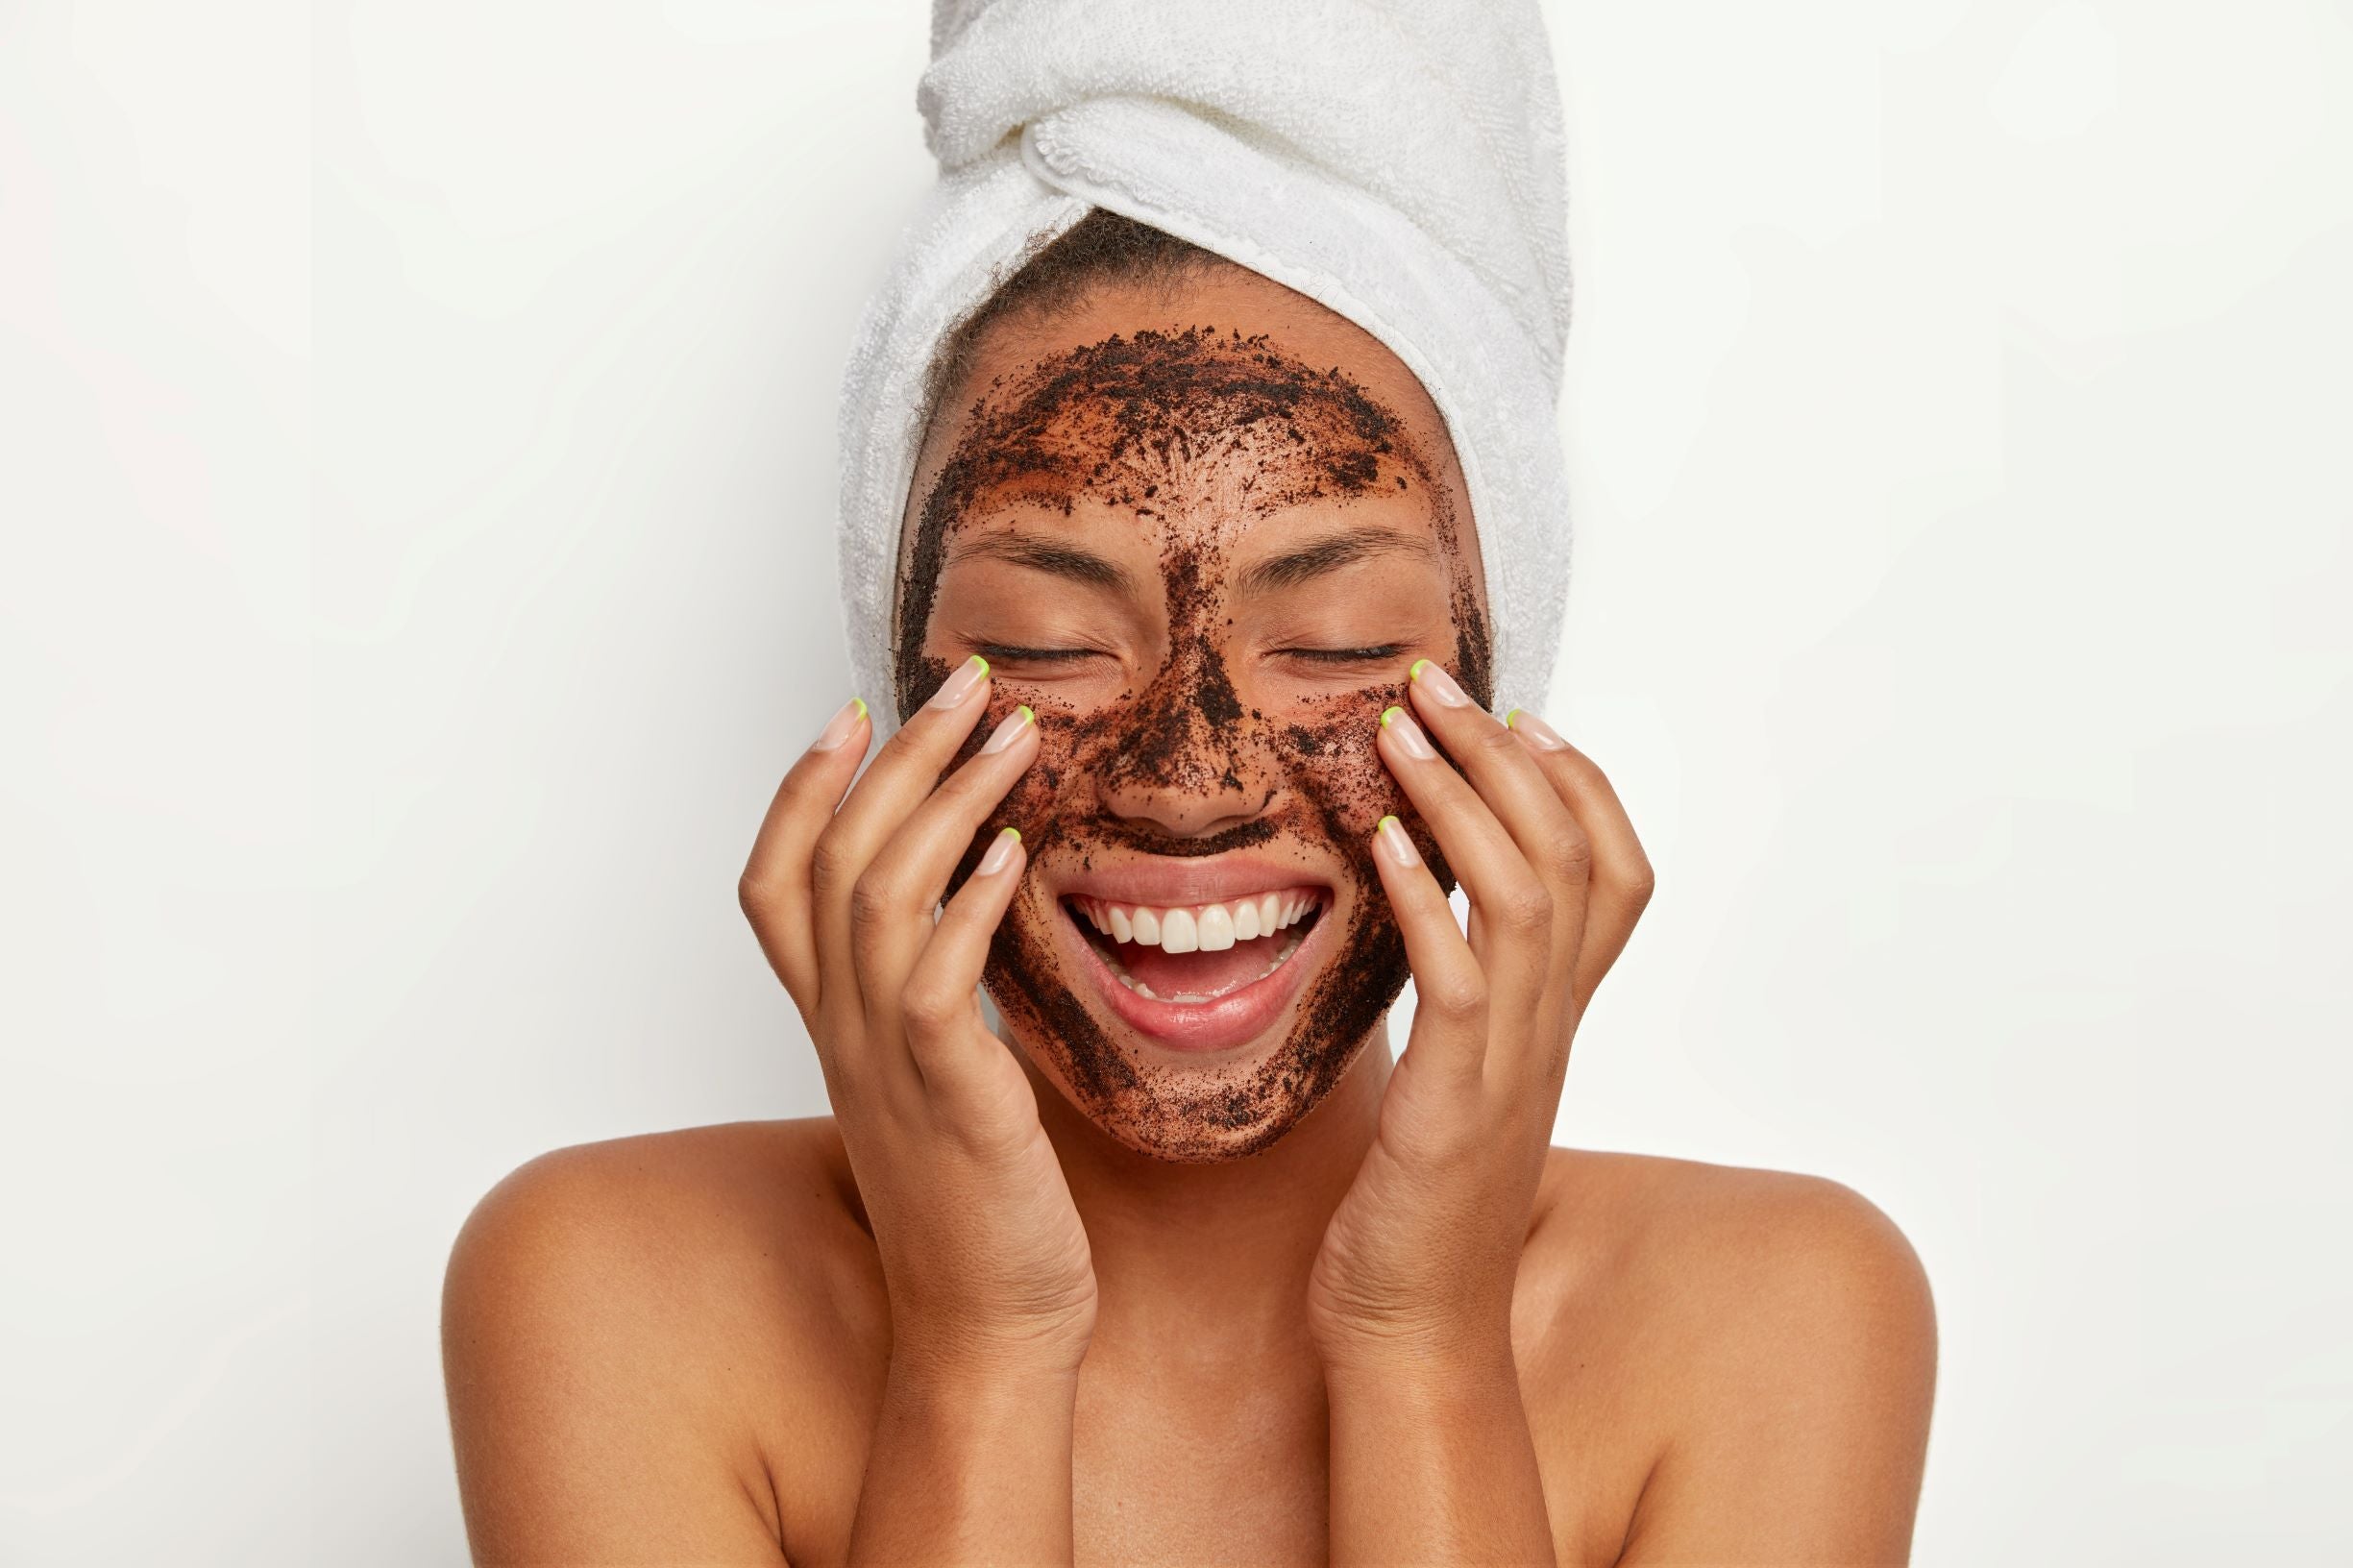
[1186, 769]
[1181, 812]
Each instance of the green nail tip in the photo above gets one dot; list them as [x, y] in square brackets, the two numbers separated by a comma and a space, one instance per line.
[1388, 714]
[1012, 833]
[1508, 716]
[860, 702]
[983, 663]
[1386, 822]
[1414, 671]
[1027, 717]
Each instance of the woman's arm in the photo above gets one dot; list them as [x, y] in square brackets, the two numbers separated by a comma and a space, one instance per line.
[584, 1433]
[1410, 1300]
[1801, 1405]
[986, 1266]
[1432, 1462]
[969, 1464]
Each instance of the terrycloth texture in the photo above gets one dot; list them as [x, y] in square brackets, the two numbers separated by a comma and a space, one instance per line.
[1398, 161]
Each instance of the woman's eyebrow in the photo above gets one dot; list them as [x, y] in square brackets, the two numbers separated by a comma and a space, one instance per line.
[1048, 555]
[1329, 554]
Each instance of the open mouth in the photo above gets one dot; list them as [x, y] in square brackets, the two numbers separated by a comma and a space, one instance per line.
[1200, 976]
[1198, 952]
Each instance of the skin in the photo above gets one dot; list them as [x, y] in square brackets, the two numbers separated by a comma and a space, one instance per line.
[1298, 1300]
[1243, 553]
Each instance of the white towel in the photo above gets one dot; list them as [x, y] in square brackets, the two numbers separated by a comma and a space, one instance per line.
[1399, 161]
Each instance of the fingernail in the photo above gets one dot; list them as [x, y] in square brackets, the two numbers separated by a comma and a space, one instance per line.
[1396, 843]
[1000, 850]
[840, 727]
[1409, 734]
[1009, 730]
[1539, 734]
[1437, 683]
[959, 686]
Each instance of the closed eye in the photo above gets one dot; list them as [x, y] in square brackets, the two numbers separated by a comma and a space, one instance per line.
[1007, 654]
[1346, 656]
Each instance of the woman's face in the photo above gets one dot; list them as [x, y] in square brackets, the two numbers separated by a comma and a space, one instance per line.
[1202, 535]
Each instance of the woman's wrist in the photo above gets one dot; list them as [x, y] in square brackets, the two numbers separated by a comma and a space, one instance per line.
[982, 1373]
[1458, 1337]
[977, 1357]
[1430, 1371]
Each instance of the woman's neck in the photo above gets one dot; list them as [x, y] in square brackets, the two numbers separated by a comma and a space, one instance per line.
[1217, 1252]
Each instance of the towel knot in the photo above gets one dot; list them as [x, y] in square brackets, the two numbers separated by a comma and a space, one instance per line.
[1444, 111]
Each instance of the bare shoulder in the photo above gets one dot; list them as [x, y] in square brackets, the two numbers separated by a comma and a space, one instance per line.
[1691, 1231]
[1771, 1336]
[703, 1217]
[623, 1324]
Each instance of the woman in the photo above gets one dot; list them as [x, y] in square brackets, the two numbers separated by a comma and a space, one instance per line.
[1192, 629]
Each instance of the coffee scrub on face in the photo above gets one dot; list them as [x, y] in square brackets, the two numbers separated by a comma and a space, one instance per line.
[1197, 437]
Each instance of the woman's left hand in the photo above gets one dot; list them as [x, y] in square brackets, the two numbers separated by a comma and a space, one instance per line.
[1419, 1261]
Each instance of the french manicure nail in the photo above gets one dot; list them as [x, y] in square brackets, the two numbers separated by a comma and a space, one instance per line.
[1540, 733]
[840, 727]
[959, 686]
[1000, 851]
[1396, 843]
[1437, 683]
[1409, 734]
[1008, 730]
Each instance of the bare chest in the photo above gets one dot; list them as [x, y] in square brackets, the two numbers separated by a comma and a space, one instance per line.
[1203, 1465]
[1197, 1468]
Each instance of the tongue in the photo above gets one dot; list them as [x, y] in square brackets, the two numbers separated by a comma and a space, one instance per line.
[1173, 975]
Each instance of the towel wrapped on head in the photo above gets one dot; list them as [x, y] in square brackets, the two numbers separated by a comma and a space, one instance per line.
[1399, 161]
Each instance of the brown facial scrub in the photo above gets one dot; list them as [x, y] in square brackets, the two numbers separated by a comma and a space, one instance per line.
[1194, 440]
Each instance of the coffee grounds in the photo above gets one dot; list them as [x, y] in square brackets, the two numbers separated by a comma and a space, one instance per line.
[1191, 432]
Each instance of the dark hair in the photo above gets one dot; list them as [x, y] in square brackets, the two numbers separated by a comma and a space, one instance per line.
[1102, 249]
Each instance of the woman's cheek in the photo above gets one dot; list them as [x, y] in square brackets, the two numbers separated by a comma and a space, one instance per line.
[1336, 766]
[1351, 791]
[1030, 803]
[1046, 794]
[1335, 761]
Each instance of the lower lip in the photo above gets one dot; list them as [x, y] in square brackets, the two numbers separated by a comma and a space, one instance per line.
[1236, 1019]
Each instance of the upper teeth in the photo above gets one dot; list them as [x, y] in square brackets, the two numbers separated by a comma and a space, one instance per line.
[1209, 927]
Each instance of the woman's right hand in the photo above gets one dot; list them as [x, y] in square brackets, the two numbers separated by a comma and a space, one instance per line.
[983, 1255]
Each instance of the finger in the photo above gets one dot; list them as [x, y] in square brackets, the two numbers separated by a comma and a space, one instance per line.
[902, 773]
[939, 1005]
[1623, 880]
[1450, 988]
[891, 909]
[1517, 790]
[775, 889]
[1513, 906]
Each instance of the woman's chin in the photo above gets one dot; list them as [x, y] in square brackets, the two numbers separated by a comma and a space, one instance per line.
[1206, 1085]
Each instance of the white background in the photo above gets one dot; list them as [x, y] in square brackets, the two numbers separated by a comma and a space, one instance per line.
[416, 463]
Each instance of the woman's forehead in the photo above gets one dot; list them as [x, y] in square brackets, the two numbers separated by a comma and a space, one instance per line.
[1144, 415]
[1212, 453]
[1230, 378]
